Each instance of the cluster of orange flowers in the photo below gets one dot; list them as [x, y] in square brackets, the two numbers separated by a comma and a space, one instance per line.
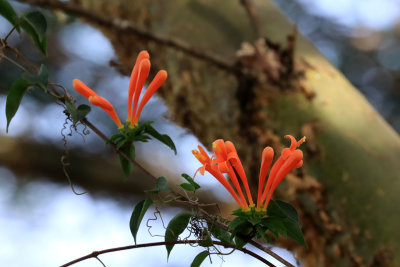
[226, 160]
[139, 76]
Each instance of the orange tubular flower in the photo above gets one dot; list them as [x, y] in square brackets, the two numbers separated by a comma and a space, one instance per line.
[290, 158]
[132, 83]
[107, 107]
[139, 75]
[227, 161]
[96, 100]
[204, 159]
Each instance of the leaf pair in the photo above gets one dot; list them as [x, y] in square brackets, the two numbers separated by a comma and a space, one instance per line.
[32, 22]
[20, 87]
[124, 140]
[191, 185]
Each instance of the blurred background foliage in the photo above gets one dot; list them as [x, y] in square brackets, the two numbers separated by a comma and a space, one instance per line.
[347, 204]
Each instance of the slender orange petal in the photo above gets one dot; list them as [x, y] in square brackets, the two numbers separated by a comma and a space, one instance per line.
[224, 166]
[204, 159]
[225, 183]
[107, 107]
[267, 156]
[287, 167]
[293, 142]
[275, 168]
[132, 83]
[151, 89]
[144, 69]
[237, 164]
[235, 182]
[81, 88]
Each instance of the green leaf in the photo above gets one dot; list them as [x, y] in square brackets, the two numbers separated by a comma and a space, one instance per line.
[238, 221]
[41, 79]
[221, 234]
[14, 97]
[240, 243]
[275, 225]
[161, 185]
[137, 215]
[79, 113]
[35, 25]
[207, 242]
[175, 227]
[262, 233]
[282, 209]
[126, 166]
[188, 187]
[132, 151]
[294, 231]
[116, 137]
[163, 138]
[198, 260]
[191, 182]
[7, 11]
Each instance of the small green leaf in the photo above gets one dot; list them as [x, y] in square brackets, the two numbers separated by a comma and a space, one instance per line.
[221, 234]
[132, 151]
[238, 221]
[198, 260]
[116, 137]
[41, 79]
[7, 11]
[137, 215]
[294, 231]
[81, 112]
[282, 209]
[35, 25]
[188, 187]
[262, 233]
[163, 138]
[175, 227]
[14, 97]
[240, 243]
[275, 225]
[191, 182]
[161, 185]
[206, 242]
[126, 166]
